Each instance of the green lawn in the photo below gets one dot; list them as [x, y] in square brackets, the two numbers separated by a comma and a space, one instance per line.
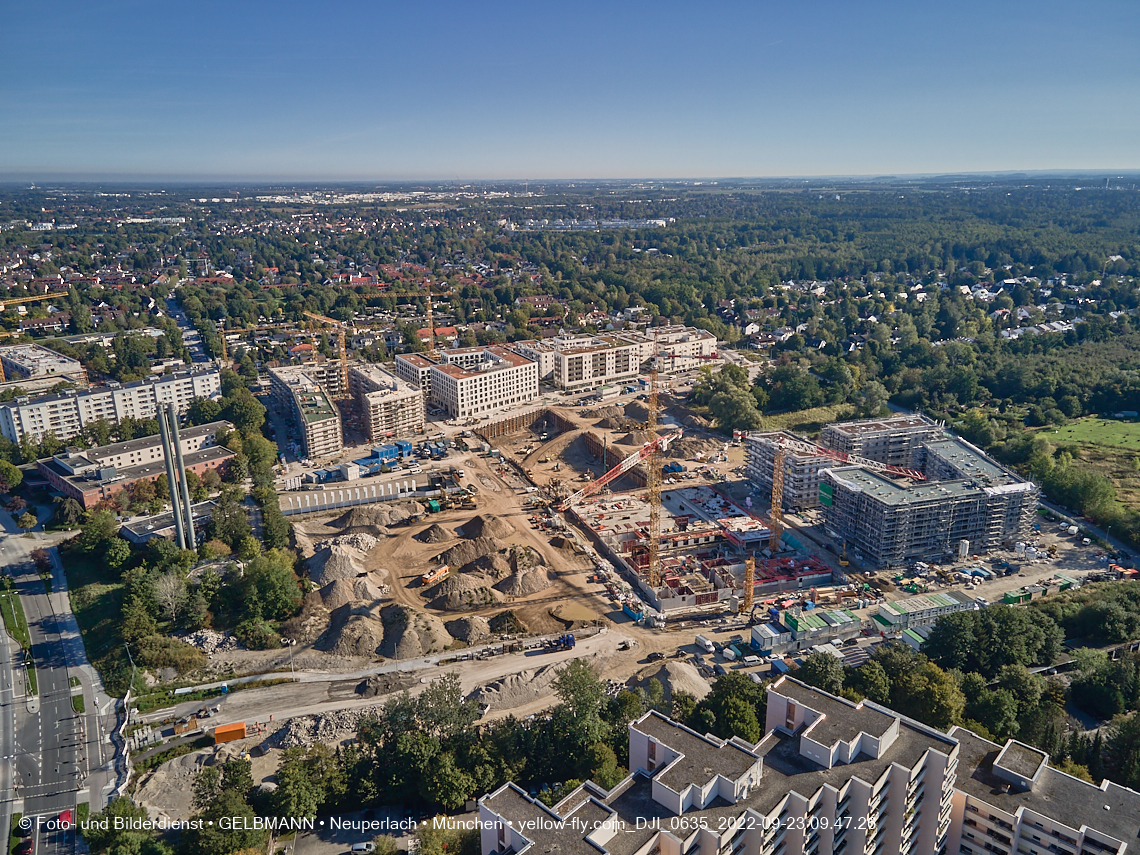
[77, 703]
[809, 421]
[17, 626]
[97, 599]
[1107, 433]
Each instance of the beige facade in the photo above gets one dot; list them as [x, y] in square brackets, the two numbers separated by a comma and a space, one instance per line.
[311, 409]
[391, 408]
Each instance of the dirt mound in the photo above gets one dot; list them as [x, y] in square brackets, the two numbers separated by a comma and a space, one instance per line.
[637, 411]
[469, 629]
[674, 677]
[385, 515]
[604, 413]
[344, 591]
[435, 533]
[494, 566]
[484, 526]
[688, 448]
[559, 542]
[636, 438]
[617, 424]
[516, 690]
[524, 582]
[507, 622]
[339, 558]
[352, 633]
[469, 550]
[383, 684]
[409, 634]
[311, 622]
[462, 592]
[573, 615]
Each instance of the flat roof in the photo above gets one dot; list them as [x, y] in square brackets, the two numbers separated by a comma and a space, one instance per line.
[900, 492]
[154, 468]
[37, 358]
[143, 442]
[899, 422]
[1108, 808]
[189, 371]
[971, 462]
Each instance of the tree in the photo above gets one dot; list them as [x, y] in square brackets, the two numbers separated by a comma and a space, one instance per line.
[872, 398]
[170, 592]
[11, 477]
[577, 720]
[738, 718]
[248, 549]
[41, 559]
[872, 681]
[203, 411]
[604, 767]
[99, 528]
[714, 714]
[26, 520]
[135, 621]
[110, 832]
[271, 577]
[118, 552]
[823, 671]
[245, 412]
[67, 510]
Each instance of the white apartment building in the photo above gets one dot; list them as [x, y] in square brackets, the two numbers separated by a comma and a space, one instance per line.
[311, 409]
[66, 414]
[391, 408]
[829, 776]
[584, 362]
[679, 348]
[474, 380]
[416, 368]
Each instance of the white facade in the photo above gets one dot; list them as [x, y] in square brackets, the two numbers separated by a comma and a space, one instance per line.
[67, 414]
[496, 377]
[391, 407]
[314, 414]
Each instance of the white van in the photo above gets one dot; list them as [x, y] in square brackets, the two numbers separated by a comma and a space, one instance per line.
[363, 847]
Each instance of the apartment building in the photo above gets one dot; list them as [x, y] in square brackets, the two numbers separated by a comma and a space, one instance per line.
[477, 380]
[30, 361]
[93, 475]
[896, 441]
[891, 522]
[391, 408]
[801, 471]
[679, 348]
[416, 368]
[311, 409]
[829, 776]
[584, 362]
[66, 414]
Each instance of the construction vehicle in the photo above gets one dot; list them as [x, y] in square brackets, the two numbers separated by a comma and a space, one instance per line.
[436, 575]
[562, 642]
[843, 562]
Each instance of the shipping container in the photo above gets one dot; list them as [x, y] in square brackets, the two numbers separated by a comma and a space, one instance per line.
[229, 732]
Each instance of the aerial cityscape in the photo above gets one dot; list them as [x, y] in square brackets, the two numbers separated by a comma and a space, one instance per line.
[529, 480]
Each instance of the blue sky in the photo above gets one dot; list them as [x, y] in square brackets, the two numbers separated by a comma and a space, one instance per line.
[485, 90]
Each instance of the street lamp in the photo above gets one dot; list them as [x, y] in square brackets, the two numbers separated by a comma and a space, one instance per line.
[289, 642]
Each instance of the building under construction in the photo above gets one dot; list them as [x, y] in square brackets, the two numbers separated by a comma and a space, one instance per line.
[801, 469]
[891, 521]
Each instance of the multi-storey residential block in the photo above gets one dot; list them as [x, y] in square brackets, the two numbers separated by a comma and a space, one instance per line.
[475, 380]
[416, 368]
[828, 777]
[801, 470]
[311, 409]
[28, 361]
[584, 362]
[896, 441]
[391, 407]
[93, 475]
[66, 414]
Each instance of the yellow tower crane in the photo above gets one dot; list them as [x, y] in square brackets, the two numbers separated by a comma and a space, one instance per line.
[340, 329]
[776, 518]
[653, 481]
[749, 586]
[15, 301]
[224, 332]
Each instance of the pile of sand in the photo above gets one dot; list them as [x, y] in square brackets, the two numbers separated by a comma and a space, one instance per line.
[463, 592]
[524, 582]
[435, 533]
[636, 438]
[382, 514]
[604, 413]
[469, 550]
[484, 526]
[637, 411]
[409, 634]
[617, 424]
[364, 588]
[676, 676]
[688, 448]
[516, 690]
[559, 542]
[339, 558]
[494, 566]
[573, 615]
[352, 632]
[469, 629]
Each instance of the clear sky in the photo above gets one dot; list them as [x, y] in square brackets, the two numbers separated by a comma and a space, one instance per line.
[477, 89]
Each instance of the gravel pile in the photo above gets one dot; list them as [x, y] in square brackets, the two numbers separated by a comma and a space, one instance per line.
[637, 411]
[361, 589]
[339, 558]
[492, 566]
[352, 632]
[435, 533]
[330, 728]
[211, 641]
[410, 634]
[687, 448]
[674, 676]
[524, 582]
[604, 413]
[463, 592]
[516, 690]
[484, 526]
[464, 553]
[469, 629]
[636, 438]
[384, 515]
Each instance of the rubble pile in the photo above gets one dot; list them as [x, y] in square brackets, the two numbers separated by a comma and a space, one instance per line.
[330, 728]
[211, 641]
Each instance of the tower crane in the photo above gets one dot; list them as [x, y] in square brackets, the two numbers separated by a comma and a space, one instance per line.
[786, 444]
[340, 329]
[15, 301]
[688, 356]
[656, 444]
[431, 325]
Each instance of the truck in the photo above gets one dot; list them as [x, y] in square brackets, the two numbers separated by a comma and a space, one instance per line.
[705, 644]
[562, 642]
[436, 575]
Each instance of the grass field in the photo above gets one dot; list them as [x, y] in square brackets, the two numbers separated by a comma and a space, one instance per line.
[809, 421]
[1106, 433]
[17, 626]
[97, 600]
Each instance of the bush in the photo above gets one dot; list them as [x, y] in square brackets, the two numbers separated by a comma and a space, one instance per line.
[158, 651]
[256, 634]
